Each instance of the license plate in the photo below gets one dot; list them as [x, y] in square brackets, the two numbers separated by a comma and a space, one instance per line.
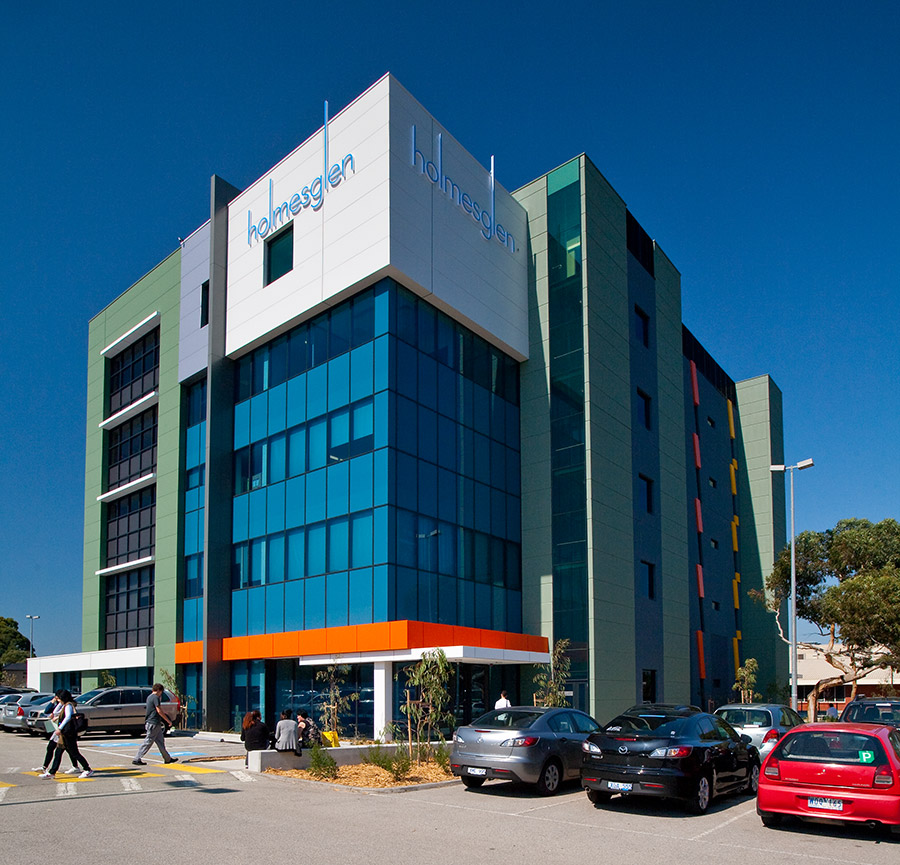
[826, 804]
[618, 785]
[473, 770]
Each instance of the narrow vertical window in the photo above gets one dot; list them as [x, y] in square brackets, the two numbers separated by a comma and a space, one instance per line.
[648, 570]
[280, 254]
[644, 409]
[204, 304]
[647, 490]
[642, 326]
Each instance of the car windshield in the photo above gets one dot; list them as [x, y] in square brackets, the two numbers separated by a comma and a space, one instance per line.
[887, 712]
[832, 747]
[746, 717]
[42, 699]
[517, 719]
[83, 698]
[648, 724]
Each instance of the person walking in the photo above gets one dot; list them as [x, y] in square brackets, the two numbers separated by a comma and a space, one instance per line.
[67, 739]
[286, 733]
[503, 702]
[155, 723]
[54, 710]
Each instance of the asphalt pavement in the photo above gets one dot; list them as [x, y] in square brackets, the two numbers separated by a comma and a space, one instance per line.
[205, 809]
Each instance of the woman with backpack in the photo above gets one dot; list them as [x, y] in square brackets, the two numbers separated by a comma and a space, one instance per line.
[67, 738]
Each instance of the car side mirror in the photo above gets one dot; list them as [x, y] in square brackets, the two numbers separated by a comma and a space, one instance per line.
[746, 739]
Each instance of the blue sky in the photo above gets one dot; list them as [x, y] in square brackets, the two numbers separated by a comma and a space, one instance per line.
[757, 143]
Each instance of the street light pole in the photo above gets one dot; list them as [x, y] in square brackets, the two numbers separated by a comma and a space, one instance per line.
[31, 635]
[803, 464]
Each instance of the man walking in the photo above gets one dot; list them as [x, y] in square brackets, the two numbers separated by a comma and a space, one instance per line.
[155, 723]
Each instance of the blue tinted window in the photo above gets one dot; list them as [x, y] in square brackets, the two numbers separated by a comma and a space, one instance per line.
[363, 318]
[339, 381]
[361, 480]
[316, 391]
[446, 443]
[338, 544]
[428, 381]
[428, 597]
[318, 341]
[407, 481]
[447, 486]
[428, 489]
[340, 329]
[257, 562]
[406, 318]
[363, 435]
[240, 566]
[406, 538]
[427, 447]
[513, 519]
[482, 410]
[381, 364]
[275, 508]
[296, 401]
[315, 602]
[482, 507]
[407, 370]
[482, 458]
[446, 345]
[381, 535]
[315, 549]
[425, 329]
[259, 417]
[427, 543]
[466, 603]
[498, 418]
[447, 549]
[256, 610]
[275, 560]
[278, 361]
[382, 307]
[381, 419]
[318, 443]
[361, 534]
[407, 590]
[483, 618]
[337, 601]
[498, 465]
[380, 478]
[189, 627]
[498, 609]
[380, 593]
[257, 513]
[242, 424]
[339, 435]
[191, 533]
[498, 513]
[407, 425]
[362, 366]
[277, 458]
[338, 489]
[315, 496]
[296, 552]
[274, 609]
[295, 502]
[239, 614]
[296, 451]
[447, 600]
[448, 386]
[360, 601]
[277, 406]
[293, 606]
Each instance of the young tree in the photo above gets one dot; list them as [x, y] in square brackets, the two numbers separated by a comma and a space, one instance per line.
[335, 675]
[848, 586]
[551, 678]
[429, 676]
[745, 681]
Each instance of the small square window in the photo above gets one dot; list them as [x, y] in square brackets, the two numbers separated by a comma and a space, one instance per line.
[280, 254]
[711, 422]
[713, 483]
[715, 605]
[714, 543]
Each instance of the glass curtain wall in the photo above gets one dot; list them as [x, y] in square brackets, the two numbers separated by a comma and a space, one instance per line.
[194, 492]
[567, 431]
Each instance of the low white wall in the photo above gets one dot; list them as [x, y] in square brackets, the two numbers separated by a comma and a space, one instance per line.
[346, 755]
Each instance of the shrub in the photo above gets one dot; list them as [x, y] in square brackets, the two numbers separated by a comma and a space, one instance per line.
[400, 764]
[321, 763]
[442, 757]
[378, 756]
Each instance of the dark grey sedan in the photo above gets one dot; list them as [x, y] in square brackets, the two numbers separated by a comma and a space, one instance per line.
[530, 744]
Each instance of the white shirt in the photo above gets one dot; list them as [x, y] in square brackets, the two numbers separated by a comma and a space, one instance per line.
[502, 703]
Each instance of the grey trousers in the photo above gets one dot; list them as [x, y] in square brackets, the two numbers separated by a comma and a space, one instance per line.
[155, 736]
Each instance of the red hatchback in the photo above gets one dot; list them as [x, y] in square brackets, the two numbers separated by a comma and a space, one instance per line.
[834, 772]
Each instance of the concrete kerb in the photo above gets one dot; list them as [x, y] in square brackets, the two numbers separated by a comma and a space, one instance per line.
[344, 755]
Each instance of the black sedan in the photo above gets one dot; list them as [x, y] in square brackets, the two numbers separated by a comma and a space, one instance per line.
[671, 751]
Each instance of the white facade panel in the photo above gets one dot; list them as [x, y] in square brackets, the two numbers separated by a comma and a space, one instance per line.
[384, 212]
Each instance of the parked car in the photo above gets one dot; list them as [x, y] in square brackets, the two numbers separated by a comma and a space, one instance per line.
[531, 744]
[872, 711]
[764, 723]
[111, 709]
[677, 752]
[12, 714]
[833, 771]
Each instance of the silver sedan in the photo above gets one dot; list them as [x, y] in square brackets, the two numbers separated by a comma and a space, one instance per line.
[764, 723]
[530, 744]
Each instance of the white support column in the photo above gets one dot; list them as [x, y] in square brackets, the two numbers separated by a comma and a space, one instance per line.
[383, 684]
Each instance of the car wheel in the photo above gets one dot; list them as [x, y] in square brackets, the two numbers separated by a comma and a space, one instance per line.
[699, 802]
[551, 776]
[472, 783]
[753, 779]
[769, 820]
[597, 797]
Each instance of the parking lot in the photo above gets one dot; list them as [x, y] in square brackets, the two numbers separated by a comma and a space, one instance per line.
[211, 810]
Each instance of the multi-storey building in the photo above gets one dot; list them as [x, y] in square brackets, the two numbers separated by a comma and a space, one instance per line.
[377, 404]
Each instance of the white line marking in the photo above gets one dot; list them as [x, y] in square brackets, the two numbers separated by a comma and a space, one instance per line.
[187, 779]
[3, 793]
[67, 789]
[131, 785]
[723, 824]
[241, 776]
[13, 770]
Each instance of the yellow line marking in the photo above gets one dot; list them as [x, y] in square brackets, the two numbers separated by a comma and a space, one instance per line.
[187, 767]
[4, 784]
